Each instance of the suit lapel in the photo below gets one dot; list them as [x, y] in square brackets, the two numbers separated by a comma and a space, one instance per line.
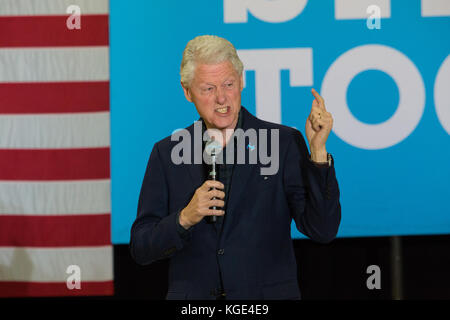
[240, 177]
[197, 174]
[195, 168]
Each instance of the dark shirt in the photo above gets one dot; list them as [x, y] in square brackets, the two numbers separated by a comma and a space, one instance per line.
[224, 174]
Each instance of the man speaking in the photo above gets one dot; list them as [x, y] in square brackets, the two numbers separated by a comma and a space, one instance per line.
[245, 252]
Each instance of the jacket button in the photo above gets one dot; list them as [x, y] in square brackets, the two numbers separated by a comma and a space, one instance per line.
[220, 251]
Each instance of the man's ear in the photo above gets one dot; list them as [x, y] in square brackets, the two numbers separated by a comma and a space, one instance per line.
[242, 81]
[187, 93]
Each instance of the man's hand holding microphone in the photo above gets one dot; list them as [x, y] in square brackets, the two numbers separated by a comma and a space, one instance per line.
[208, 195]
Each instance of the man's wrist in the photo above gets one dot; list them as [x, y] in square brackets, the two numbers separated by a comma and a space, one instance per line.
[182, 221]
[327, 164]
[320, 156]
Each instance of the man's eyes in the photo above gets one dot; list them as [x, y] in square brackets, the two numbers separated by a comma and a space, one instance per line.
[227, 85]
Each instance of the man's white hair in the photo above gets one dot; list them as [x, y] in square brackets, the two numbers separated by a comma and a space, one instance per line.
[207, 49]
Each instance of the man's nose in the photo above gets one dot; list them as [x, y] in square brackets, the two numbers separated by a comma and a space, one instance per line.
[220, 96]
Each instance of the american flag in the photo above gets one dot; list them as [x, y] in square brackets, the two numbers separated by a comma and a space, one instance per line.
[54, 148]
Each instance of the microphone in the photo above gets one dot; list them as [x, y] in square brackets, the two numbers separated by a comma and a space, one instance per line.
[212, 149]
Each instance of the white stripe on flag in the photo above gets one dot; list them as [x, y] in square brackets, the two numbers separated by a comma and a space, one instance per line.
[55, 197]
[54, 64]
[50, 264]
[50, 7]
[53, 131]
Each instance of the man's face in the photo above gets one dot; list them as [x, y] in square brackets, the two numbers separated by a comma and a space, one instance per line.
[216, 93]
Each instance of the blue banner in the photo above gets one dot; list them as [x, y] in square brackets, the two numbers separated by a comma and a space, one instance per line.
[382, 66]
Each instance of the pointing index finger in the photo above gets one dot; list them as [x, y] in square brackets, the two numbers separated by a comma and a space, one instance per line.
[319, 98]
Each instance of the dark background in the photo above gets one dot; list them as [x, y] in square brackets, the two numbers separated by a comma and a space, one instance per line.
[333, 271]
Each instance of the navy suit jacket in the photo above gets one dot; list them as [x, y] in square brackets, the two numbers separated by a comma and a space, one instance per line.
[254, 252]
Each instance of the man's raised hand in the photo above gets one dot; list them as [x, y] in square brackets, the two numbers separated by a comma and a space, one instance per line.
[318, 127]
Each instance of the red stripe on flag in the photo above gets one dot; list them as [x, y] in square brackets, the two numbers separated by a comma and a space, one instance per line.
[54, 164]
[52, 31]
[54, 97]
[55, 231]
[51, 289]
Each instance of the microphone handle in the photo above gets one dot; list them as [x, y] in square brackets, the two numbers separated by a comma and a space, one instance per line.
[213, 219]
